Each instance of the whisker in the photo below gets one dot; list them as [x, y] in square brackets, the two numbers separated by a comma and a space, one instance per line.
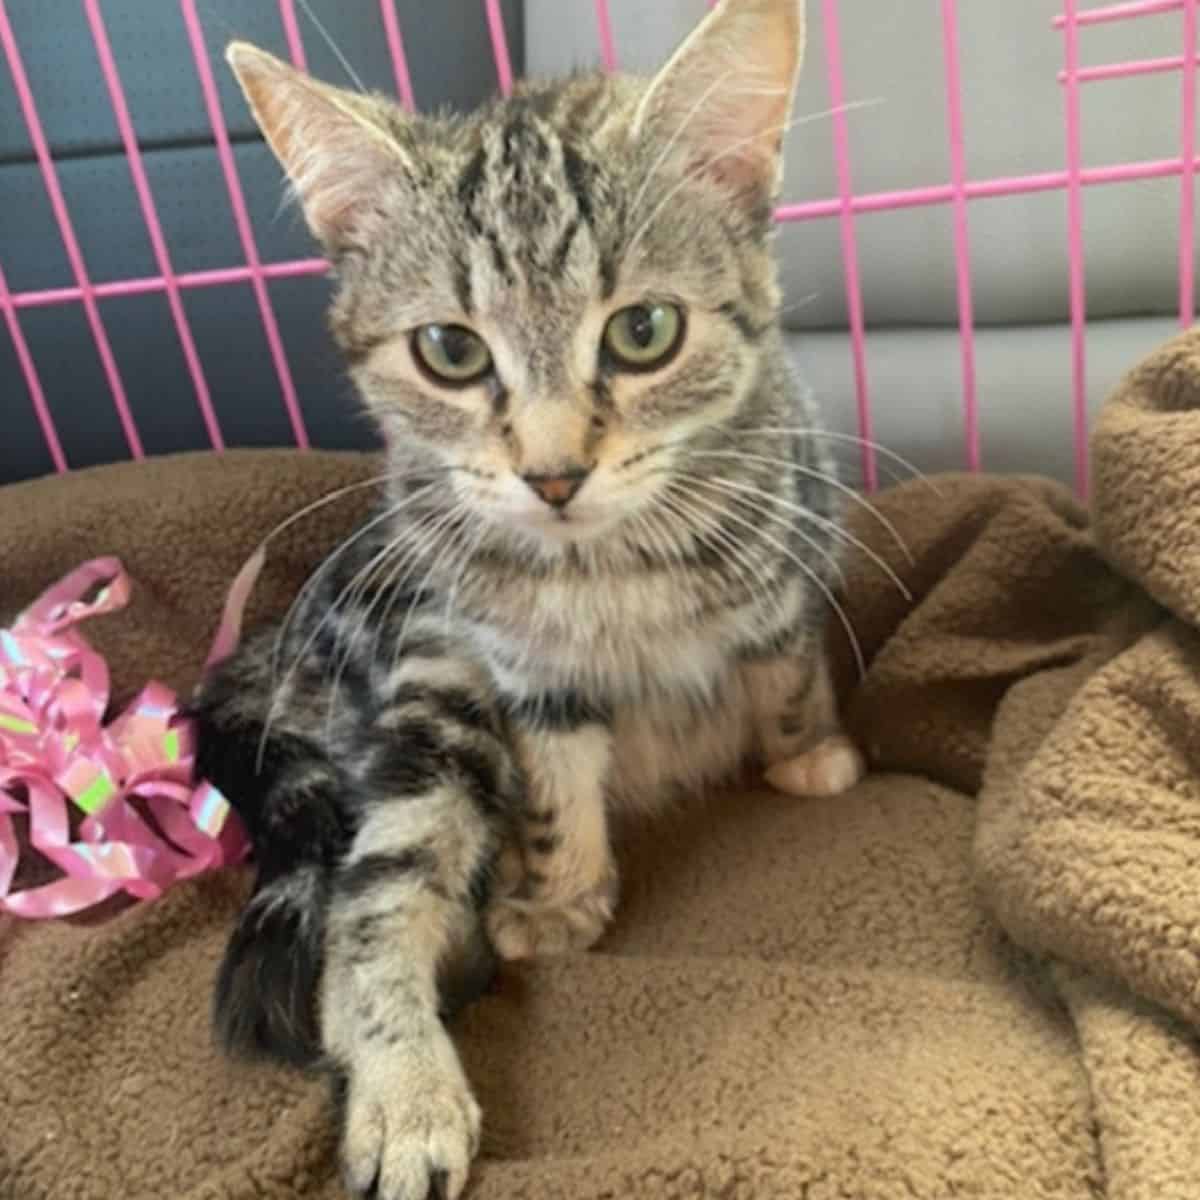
[340, 662]
[279, 687]
[421, 537]
[328, 40]
[829, 435]
[380, 557]
[826, 591]
[327, 562]
[851, 463]
[448, 530]
[731, 487]
[337, 494]
[470, 548]
[402, 548]
[830, 558]
[424, 539]
[662, 538]
[660, 535]
[398, 548]
[756, 583]
[803, 302]
[732, 149]
[328, 498]
[846, 455]
[673, 139]
[822, 477]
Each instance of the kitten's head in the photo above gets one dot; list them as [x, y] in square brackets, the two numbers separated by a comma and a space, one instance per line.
[553, 296]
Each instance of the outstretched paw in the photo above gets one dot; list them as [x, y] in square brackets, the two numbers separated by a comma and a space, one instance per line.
[533, 928]
[832, 766]
[411, 1125]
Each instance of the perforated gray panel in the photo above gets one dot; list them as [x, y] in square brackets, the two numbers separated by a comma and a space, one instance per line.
[450, 62]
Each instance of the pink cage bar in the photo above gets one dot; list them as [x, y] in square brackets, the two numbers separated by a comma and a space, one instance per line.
[957, 192]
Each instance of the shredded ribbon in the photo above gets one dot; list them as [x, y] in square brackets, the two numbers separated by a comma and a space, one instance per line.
[146, 822]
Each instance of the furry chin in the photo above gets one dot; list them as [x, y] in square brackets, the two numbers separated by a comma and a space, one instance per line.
[554, 533]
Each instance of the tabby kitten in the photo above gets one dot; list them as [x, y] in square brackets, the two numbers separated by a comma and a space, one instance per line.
[597, 580]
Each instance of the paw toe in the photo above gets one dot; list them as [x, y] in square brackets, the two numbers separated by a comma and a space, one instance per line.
[512, 937]
[828, 769]
[411, 1145]
[522, 929]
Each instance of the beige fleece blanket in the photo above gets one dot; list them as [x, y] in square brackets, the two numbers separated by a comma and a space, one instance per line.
[800, 999]
[1088, 842]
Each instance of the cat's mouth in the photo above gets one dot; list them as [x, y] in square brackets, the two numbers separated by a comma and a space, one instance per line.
[551, 519]
[566, 524]
[558, 527]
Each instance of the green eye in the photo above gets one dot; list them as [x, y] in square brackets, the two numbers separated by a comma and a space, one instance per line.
[644, 337]
[451, 353]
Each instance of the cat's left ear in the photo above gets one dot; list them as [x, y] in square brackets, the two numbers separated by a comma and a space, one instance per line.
[335, 145]
[726, 94]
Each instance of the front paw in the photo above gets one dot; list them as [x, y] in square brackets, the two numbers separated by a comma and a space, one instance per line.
[831, 767]
[533, 928]
[411, 1124]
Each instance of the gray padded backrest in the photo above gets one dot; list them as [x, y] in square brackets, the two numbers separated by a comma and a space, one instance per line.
[450, 62]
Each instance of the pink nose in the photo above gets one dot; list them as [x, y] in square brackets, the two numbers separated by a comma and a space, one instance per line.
[557, 490]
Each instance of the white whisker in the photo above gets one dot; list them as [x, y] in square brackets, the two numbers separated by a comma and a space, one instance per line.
[653, 538]
[441, 526]
[470, 549]
[399, 545]
[448, 532]
[337, 50]
[327, 562]
[816, 546]
[328, 498]
[308, 643]
[822, 477]
[803, 302]
[673, 139]
[855, 439]
[832, 527]
[424, 530]
[731, 150]
[826, 591]
[756, 583]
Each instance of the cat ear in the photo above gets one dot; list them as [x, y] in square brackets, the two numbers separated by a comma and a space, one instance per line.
[726, 94]
[333, 144]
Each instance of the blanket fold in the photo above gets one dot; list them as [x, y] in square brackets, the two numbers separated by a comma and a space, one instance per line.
[907, 991]
[1088, 838]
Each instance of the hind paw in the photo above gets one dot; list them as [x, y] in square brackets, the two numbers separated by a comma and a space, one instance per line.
[534, 928]
[831, 767]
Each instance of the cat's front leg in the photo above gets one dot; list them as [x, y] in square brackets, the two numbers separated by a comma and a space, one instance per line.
[399, 908]
[564, 889]
[801, 743]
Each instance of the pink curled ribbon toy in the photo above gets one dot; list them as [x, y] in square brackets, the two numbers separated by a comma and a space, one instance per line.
[146, 823]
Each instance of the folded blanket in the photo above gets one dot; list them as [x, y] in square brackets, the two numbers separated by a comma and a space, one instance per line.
[1088, 841]
[798, 999]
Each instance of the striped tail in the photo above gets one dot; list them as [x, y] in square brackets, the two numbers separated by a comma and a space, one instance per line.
[294, 804]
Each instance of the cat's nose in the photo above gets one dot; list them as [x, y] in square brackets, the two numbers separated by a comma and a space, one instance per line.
[558, 490]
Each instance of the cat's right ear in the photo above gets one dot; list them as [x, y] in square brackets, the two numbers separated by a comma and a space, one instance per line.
[332, 143]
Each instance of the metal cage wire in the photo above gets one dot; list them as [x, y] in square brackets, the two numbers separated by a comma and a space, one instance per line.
[958, 192]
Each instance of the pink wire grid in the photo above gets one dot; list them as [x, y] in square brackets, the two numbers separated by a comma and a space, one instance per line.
[845, 206]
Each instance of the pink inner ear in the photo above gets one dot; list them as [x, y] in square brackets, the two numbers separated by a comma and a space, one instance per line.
[726, 95]
[329, 149]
